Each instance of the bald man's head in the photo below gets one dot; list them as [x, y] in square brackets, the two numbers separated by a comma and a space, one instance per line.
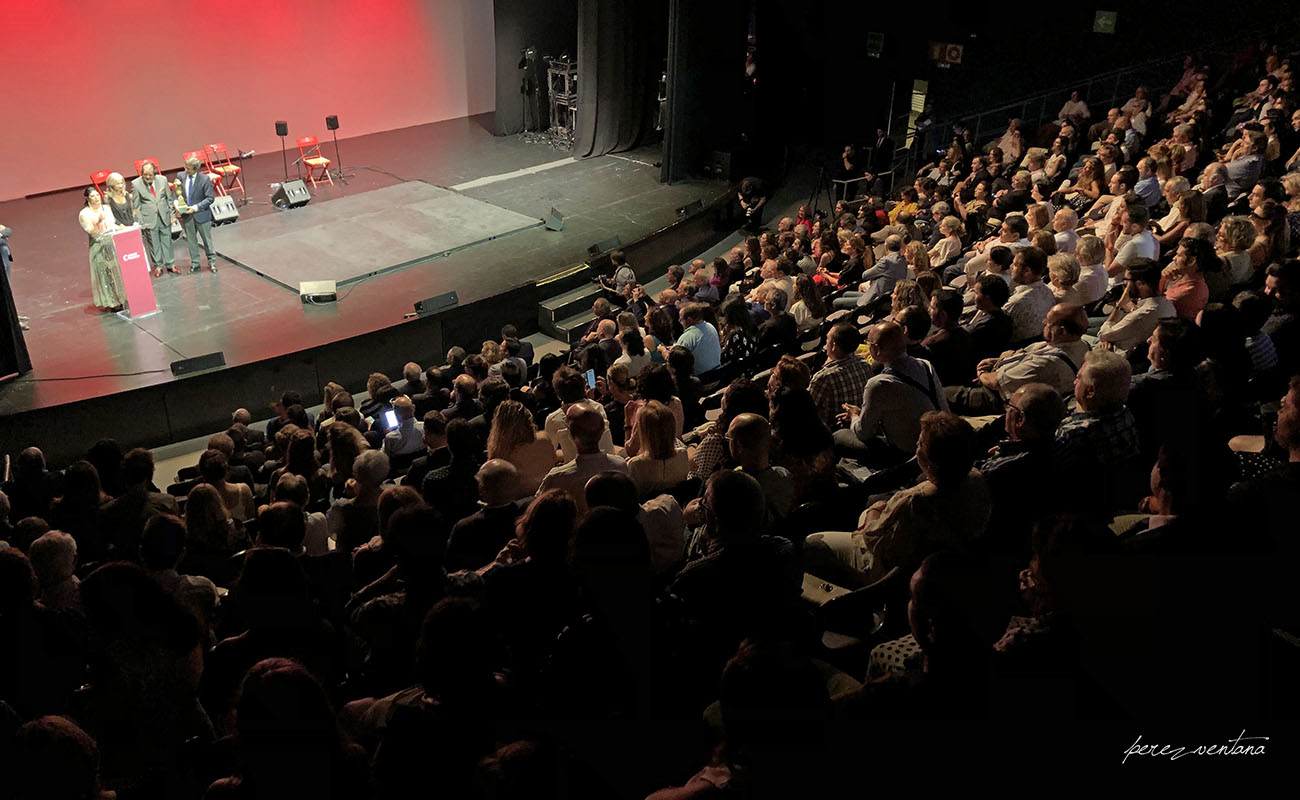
[888, 341]
[497, 481]
[606, 329]
[751, 440]
[586, 424]
[1065, 322]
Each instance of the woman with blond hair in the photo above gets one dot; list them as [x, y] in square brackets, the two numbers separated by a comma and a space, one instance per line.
[491, 352]
[918, 257]
[344, 443]
[211, 536]
[907, 293]
[662, 462]
[949, 247]
[1064, 271]
[515, 438]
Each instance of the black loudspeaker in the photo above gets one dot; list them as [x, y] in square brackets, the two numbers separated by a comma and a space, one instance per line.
[690, 209]
[224, 210]
[612, 243]
[555, 222]
[314, 293]
[332, 122]
[291, 194]
[281, 128]
[718, 166]
[189, 366]
[435, 304]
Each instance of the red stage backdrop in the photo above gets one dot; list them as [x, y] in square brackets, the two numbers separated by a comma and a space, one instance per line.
[96, 85]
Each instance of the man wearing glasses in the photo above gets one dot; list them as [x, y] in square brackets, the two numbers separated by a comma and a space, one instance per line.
[1139, 309]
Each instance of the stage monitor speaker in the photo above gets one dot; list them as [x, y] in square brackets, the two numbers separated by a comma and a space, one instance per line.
[690, 209]
[224, 210]
[291, 194]
[612, 243]
[189, 366]
[314, 293]
[281, 128]
[332, 122]
[719, 166]
[555, 222]
[436, 303]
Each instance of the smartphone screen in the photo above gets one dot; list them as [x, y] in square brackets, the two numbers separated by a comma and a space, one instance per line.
[591, 379]
[390, 417]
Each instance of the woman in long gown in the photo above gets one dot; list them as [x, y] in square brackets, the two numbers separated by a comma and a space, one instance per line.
[105, 277]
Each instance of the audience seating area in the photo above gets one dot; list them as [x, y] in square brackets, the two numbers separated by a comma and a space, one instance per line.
[1021, 442]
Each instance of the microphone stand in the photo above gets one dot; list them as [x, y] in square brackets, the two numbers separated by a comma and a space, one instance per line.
[338, 173]
[240, 155]
[285, 155]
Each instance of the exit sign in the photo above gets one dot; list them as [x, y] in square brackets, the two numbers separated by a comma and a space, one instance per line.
[875, 45]
[1104, 22]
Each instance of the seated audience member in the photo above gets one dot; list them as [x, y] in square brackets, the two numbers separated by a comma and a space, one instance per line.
[656, 384]
[807, 308]
[698, 336]
[1101, 437]
[841, 379]
[1173, 527]
[288, 738]
[739, 332]
[950, 344]
[1067, 238]
[571, 387]
[914, 319]
[879, 280]
[436, 395]
[750, 436]
[33, 487]
[373, 559]
[990, 327]
[687, 389]
[237, 472]
[1214, 191]
[1183, 281]
[1031, 298]
[948, 510]
[713, 452]
[413, 379]
[433, 435]
[634, 356]
[77, 511]
[516, 441]
[883, 429]
[1063, 273]
[781, 330]
[291, 488]
[661, 461]
[1053, 361]
[238, 497]
[407, 438]
[1094, 281]
[660, 517]
[745, 582]
[588, 428]
[354, 520]
[1132, 242]
[491, 393]
[1282, 284]
[51, 758]
[452, 490]
[464, 399]
[162, 546]
[54, 559]
[1138, 310]
[1243, 171]
[1018, 468]
[123, 519]
[1012, 234]
[1236, 235]
[476, 539]
[955, 619]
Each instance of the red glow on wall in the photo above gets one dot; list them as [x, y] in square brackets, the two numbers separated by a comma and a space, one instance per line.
[94, 86]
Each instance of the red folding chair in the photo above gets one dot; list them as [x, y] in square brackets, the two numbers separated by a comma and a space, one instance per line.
[140, 162]
[219, 163]
[212, 176]
[99, 178]
[309, 152]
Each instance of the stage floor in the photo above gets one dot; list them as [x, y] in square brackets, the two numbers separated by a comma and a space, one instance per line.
[356, 237]
[81, 353]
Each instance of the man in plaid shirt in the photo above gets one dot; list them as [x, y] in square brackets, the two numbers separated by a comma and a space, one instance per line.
[844, 375]
[1101, 435]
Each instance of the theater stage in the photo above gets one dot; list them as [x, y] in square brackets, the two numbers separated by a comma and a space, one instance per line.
[98, 375]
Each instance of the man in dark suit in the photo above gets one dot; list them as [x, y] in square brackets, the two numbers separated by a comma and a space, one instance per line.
[196, 216]
[509, 332]
[1212, 186]
[152, 199]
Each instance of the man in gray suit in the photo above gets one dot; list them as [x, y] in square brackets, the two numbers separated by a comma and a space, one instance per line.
[196, 216]
[152, 199]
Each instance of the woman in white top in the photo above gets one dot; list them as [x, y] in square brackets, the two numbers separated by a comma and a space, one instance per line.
[514, 437]
[1236, 235]
[949, 247]
[1190, 208]
[105, 276]
[634, 354]
[1064, 272]
[662, 462]
[808, 308]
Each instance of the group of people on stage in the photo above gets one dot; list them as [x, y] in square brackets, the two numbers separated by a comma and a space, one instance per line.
[154, 204]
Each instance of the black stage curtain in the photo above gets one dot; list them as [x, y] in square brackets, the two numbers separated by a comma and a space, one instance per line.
[13, 348]
[706, 83]
[622, 45]
[550, 26]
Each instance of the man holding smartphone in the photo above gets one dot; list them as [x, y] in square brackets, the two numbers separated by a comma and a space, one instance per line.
[406, 436]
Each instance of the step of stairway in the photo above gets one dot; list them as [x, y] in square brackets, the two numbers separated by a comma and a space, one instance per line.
[565, 305]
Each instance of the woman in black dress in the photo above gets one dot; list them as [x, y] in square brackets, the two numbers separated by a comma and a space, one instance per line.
[117, 200]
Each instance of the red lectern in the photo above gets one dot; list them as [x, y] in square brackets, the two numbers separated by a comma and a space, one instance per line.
[134, 264]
